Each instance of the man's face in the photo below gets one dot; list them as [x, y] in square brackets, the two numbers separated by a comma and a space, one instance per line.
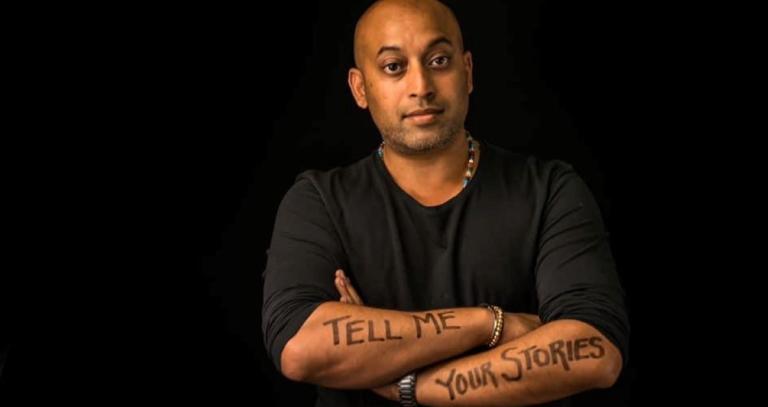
[414, 77]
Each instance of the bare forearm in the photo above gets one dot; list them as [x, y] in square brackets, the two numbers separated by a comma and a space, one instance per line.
[353, 346]
[557, 360]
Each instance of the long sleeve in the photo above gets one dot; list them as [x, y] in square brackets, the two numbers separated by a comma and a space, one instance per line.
[575, 272]
[303, 255]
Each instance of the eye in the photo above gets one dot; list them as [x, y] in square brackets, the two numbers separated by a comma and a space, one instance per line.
[392, 68]
[440, 61]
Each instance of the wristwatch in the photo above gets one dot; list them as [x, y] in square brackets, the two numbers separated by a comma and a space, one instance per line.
[407, 390]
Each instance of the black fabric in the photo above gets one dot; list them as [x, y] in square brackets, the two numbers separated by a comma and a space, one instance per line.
[525, 234]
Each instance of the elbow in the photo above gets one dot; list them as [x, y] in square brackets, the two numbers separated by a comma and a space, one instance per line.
[293, 363]
[609, 371]
[299, 362]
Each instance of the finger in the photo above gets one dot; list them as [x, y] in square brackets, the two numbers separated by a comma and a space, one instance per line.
[353, 293]
[345, 298]
[532, 317]
[343, 289]
[338, 275]
[339, 287]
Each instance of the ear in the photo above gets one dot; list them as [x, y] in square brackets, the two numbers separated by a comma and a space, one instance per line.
[468, 68]
[356, 81]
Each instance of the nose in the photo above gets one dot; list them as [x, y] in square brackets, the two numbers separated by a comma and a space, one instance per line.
[420, 83]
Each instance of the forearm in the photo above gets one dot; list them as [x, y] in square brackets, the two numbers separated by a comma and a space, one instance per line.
[353, 346]
[554, 361]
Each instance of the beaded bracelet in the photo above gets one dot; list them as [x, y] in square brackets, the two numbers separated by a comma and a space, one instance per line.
[498, 324]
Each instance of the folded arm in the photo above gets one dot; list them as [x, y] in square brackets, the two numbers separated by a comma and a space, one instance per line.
[353, 346]
[347, 345]
[558, 359]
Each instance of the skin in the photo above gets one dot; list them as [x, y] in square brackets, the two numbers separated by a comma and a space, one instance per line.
[410, 59]
[536, 379]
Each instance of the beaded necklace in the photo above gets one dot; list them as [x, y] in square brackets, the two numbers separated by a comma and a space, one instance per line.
[470, 159]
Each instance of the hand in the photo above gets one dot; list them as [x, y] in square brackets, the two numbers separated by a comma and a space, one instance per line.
[349, 295]
[517, 325]
[346, 290]
[388, 391]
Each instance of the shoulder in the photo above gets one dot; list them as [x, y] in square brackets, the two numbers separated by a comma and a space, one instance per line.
[328, 185]
[526, 167]
[340, 174]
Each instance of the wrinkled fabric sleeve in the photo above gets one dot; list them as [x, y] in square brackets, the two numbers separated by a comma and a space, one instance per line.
[302, 258]
[576, 274]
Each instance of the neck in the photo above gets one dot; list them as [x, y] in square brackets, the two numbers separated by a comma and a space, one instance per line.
[434, 177]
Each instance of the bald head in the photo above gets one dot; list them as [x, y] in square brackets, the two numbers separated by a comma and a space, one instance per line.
[386, 15]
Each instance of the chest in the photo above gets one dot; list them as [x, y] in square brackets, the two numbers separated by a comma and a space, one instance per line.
[403, 260]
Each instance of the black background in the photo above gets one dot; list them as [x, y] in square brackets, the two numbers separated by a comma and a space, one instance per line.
[209, 114]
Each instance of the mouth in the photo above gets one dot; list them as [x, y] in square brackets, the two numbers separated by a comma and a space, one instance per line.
[423, 116]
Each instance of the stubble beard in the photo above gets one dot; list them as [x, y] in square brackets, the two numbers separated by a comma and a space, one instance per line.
[398, 138]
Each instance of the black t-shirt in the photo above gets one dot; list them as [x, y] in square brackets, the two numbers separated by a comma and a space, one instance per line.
[525, 234]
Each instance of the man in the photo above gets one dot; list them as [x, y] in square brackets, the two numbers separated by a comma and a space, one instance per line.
[377, 271]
